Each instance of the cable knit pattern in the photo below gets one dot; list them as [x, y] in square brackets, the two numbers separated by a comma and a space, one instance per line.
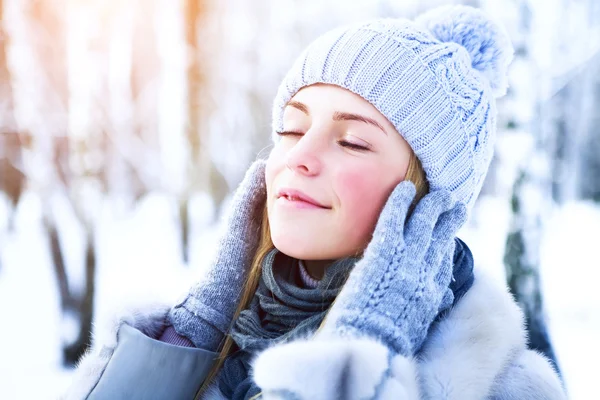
[434, 80]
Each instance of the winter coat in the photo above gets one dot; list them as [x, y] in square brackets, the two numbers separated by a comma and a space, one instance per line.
[477, 350]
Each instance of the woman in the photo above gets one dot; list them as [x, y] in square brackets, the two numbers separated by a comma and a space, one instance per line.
[338, 274]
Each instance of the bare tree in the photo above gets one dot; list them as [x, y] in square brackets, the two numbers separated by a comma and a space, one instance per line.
[203, 175]
[12, 178]
[40, 28]
[589, 164]
[531, 196]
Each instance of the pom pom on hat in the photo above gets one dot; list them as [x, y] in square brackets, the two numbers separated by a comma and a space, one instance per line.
[487, 43]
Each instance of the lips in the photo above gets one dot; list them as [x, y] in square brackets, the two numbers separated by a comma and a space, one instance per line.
[297, 195]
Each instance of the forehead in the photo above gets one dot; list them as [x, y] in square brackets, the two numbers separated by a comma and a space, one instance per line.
[326, 99]
[329, 95]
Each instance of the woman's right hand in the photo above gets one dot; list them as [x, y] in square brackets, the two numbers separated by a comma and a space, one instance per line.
[396, 290]
[206, 313]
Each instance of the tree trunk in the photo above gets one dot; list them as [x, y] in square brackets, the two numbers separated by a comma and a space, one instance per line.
[46, 37]
[531, 193]
[85, 306]
[202, 173]
[58, 262]
[521, 258]
[12, 178]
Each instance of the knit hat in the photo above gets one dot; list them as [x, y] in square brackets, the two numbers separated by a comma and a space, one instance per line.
[435, 79]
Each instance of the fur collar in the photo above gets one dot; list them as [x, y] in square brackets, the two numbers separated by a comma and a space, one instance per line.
[467, 350]
[469, 354]
[477, 351]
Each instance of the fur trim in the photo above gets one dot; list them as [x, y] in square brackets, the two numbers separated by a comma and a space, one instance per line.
[465, 352]
[213, 393]
[478, 349]
[403, 382]
[530, 376]
[348, 369]
[149, 319]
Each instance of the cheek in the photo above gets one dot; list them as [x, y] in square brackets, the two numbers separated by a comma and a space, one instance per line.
[362, 195]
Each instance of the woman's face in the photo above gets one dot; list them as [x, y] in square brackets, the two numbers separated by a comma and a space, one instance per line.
[343, 153]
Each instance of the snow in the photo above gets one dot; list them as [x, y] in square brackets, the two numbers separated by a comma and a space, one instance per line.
[139, 260]
[570, 274]
[29, 309]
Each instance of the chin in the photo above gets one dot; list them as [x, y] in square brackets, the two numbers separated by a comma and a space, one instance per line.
[303, 248]
[298, 247]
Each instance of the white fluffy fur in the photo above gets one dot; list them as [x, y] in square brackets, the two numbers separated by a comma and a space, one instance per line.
[213, 392]
[403, 382]
[355, 366]
[478, 351]
[532, 377]
[484, 331]
[149, 319]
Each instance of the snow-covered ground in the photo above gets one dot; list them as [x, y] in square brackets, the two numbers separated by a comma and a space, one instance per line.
[139, 259]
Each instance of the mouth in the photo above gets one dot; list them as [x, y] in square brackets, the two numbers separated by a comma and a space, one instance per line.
[298, 199]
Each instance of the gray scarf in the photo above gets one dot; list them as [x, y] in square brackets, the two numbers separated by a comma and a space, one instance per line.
[280, 311]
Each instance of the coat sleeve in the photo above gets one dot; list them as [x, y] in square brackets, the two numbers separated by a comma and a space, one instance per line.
[125, 362]
[145, 368]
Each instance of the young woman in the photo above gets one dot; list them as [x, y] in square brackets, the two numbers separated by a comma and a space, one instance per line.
[338, 275]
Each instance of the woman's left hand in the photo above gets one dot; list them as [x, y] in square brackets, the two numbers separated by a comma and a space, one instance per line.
[397, 289]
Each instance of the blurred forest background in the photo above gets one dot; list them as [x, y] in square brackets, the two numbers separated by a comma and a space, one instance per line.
[125, 125]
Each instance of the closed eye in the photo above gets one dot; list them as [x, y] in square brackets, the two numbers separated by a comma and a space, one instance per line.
[342, 143]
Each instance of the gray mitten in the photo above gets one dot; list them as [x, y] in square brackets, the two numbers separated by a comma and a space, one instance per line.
[206, 313]
[396, 290]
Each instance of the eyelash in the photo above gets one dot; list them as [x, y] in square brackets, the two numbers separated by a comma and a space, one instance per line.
[341, 142]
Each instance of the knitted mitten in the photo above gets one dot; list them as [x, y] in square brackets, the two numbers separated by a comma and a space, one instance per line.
[206, 313]
[395, 291]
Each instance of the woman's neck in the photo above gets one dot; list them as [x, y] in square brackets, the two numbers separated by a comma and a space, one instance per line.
[316, 268]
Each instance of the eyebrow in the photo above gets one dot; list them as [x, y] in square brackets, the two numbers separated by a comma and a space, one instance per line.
[299, 106]
[344, 116]
[339, 115]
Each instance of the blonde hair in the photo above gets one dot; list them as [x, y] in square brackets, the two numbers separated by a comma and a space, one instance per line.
[415, 174]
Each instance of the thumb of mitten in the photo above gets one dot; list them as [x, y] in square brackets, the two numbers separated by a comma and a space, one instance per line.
[244, 212]
[390, 224]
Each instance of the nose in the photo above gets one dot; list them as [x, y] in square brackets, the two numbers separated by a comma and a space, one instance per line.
[305, 156]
